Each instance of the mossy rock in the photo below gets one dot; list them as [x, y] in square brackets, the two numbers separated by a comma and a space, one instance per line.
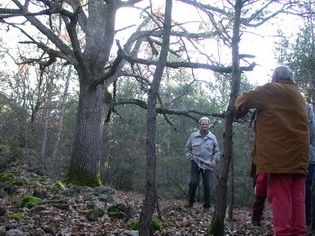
[18, 183]
[40, 178]
[17, 215]
[57, 197]
[117, 215]
[7, 177]
[60, 185]
[37, 185]
[88, 213]
[156, 223]
[30, 201]
[119, 211]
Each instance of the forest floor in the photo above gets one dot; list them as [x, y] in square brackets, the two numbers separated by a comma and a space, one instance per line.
[72, 220]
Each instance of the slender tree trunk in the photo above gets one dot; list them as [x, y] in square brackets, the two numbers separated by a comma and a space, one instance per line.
[217, 223]
[61, 117]
[145, 226]
[230, 216]
[46, 117]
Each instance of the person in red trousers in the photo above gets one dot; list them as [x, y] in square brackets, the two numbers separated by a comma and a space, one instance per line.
[260, 198]
[281, 147]
[260, 180]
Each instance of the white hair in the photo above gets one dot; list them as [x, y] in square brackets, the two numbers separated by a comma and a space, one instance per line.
[204, 118]
[283, 73]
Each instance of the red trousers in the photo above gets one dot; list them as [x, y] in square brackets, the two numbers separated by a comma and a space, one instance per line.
[286, 196]
[261, 184]
[260, 196]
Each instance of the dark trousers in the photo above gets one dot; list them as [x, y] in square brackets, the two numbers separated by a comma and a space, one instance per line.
[195, 172]
[308, 194]
[260, 196]
[258, 207]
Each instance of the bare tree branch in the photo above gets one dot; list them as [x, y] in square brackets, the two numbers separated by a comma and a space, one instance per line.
[161, 110]
[219, 69]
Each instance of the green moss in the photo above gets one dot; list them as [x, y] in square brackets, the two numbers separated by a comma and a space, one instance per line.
[118, 211]
[7, 177]
[88, 213]
[16, 215]
[37, 185]
[163, 110]
[19, 183]
[216, 226]
[134, 225]
[57, 197]
[156, 223]
[30, 201]
[117, 215]
[40, 178]
[60, 185]
[82, 177]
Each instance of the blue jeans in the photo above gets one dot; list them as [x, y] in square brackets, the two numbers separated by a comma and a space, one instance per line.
[195, 171]
[308, 194]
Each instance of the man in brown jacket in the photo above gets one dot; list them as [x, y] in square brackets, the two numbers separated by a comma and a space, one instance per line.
[281, 147]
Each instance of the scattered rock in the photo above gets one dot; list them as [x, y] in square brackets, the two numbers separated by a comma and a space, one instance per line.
[14, 232]
[95, 215]
[130, 233]
[2, 211]
[42, 194]
[38, 208]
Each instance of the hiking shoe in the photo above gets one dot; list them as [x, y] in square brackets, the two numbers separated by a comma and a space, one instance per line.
[255, 223]
[308, 229]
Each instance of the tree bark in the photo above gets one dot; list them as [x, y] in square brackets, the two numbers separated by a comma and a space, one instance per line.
[145, 224]
[84, 167]
[61, 117]
[46, 118]
[231, 207]
[217, 223]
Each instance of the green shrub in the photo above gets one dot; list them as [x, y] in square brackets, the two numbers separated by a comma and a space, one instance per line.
[15, 148]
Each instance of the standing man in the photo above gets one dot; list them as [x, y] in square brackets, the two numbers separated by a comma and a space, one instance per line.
[202, 149]
[281, 147]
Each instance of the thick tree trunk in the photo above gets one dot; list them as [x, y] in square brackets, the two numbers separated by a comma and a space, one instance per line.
[84, 168]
